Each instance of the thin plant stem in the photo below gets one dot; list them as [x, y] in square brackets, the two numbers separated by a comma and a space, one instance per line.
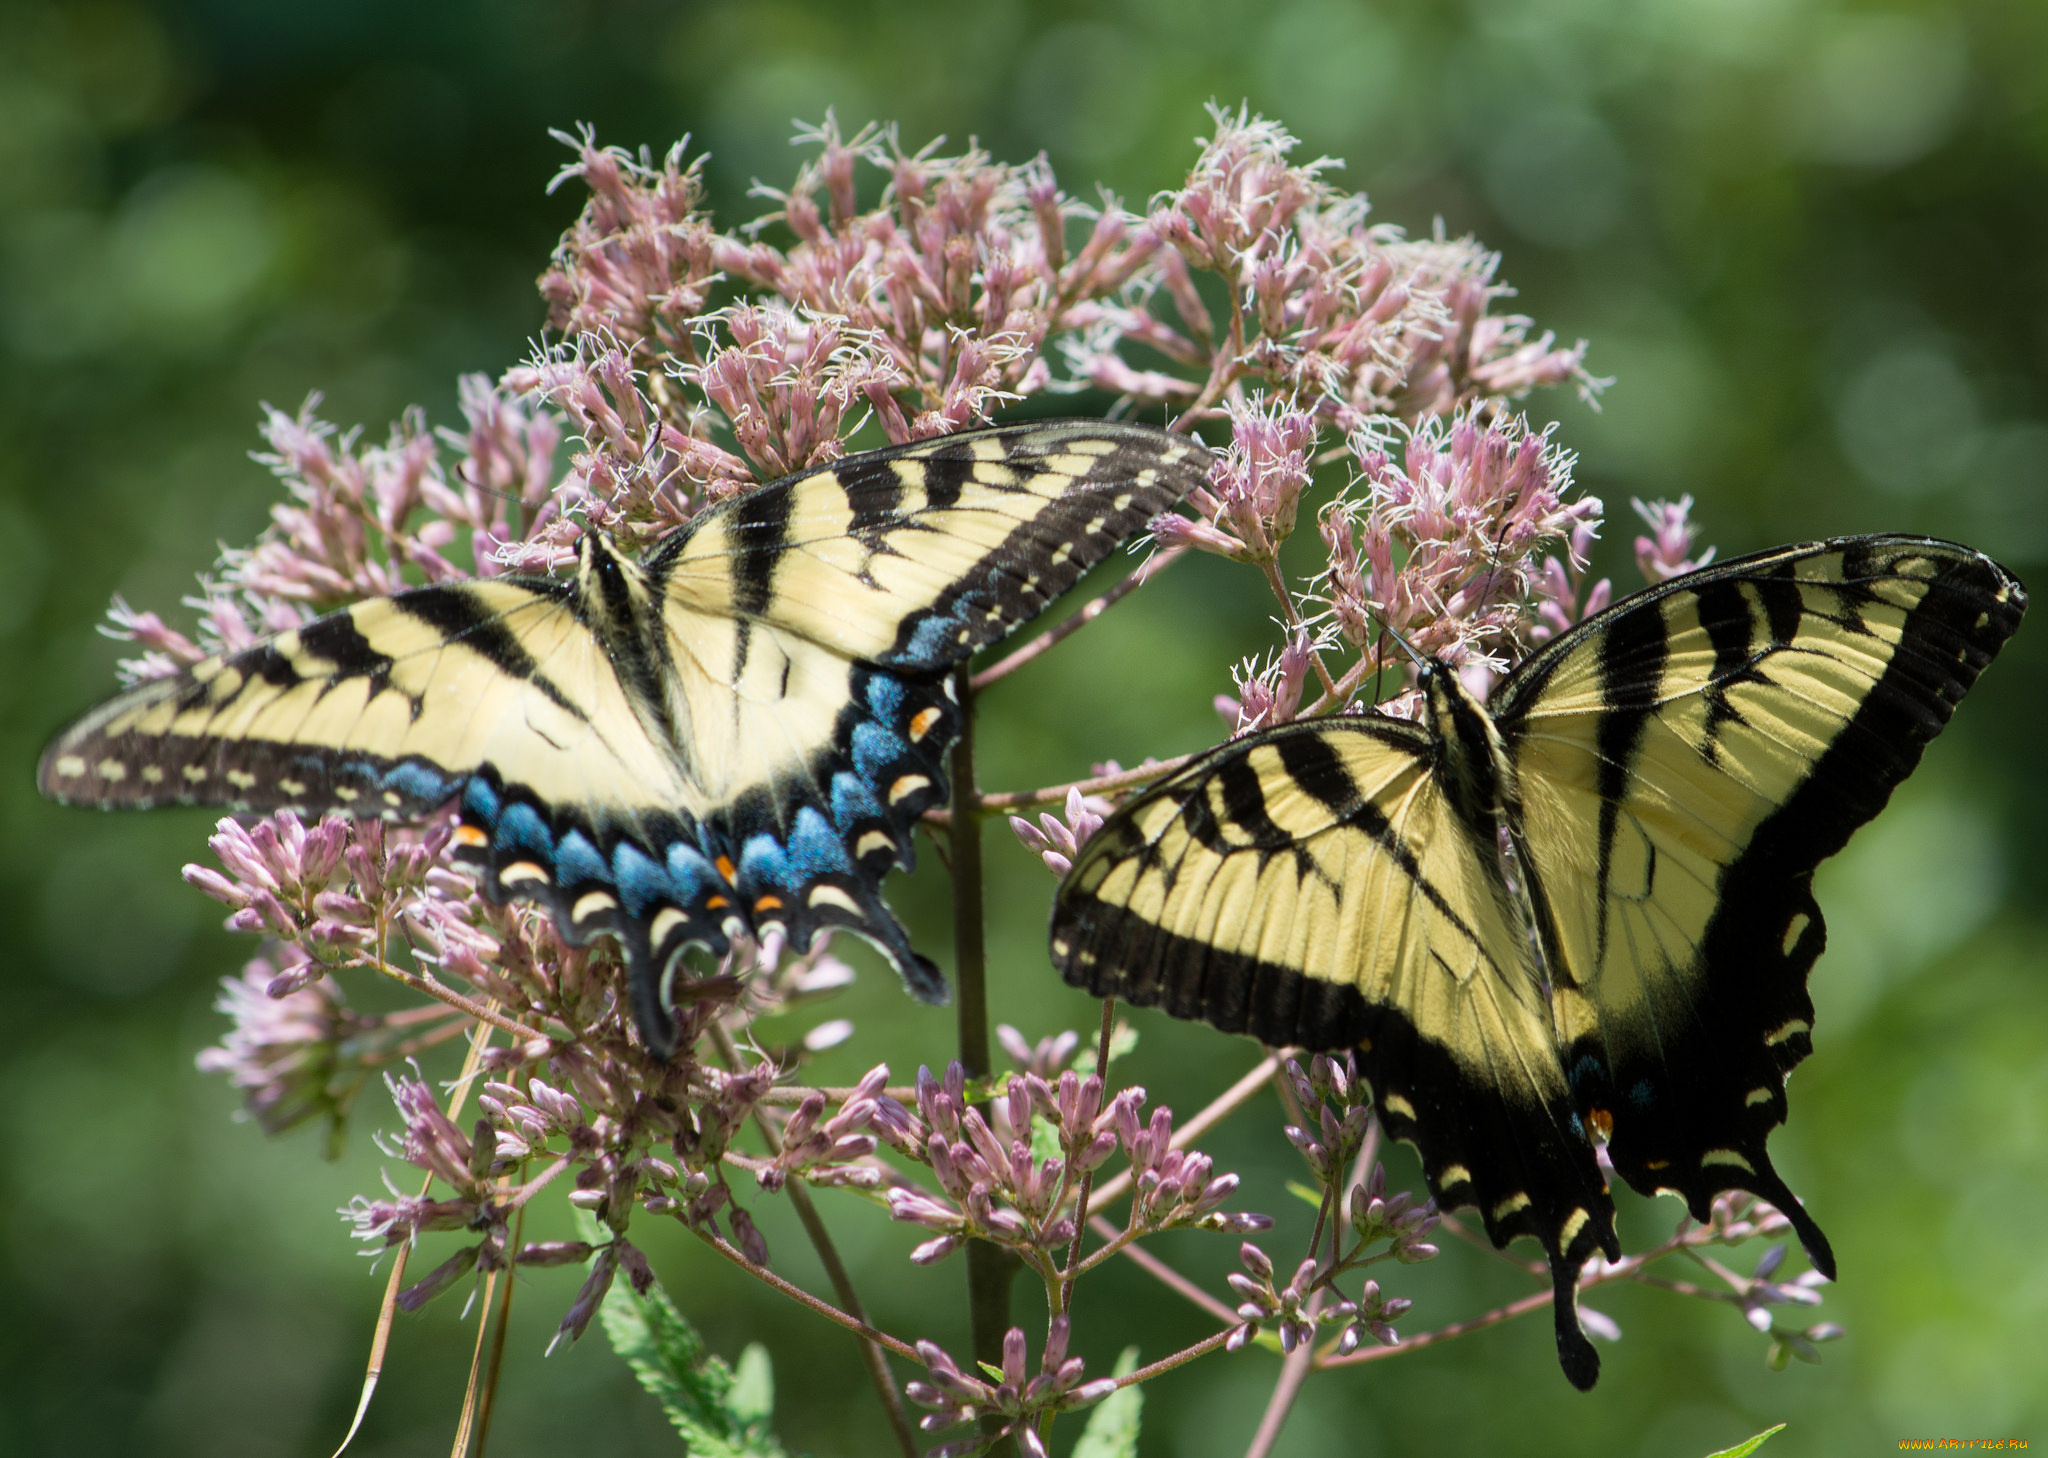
[1180, 1358]
[989, 1267]
[482, 1012]
[1160, 1271]
[1535, 1301]
[842, 1283]
[380, 1339]
[1628, 1269]
[1315, 1238]
[1053, 794]
[802, 1297]
[877, 1365]
[504, 1325]
[1295, 626]
[472, 1433]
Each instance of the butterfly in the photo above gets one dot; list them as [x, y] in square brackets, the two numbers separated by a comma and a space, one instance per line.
[735, 734]
[1577, 913]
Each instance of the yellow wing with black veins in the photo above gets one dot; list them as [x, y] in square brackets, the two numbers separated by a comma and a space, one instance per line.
[915, 556]
[735, 735]
[1312, 886]
[379, 710]
[1685, 761]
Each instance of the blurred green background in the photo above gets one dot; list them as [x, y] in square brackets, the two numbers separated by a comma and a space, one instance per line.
[1808, 238]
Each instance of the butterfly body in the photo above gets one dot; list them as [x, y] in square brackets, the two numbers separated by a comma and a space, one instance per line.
[1578, 913]
[736, 734]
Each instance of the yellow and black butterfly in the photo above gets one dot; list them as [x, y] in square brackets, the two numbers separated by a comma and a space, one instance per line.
[1579, 911]
[737, 733]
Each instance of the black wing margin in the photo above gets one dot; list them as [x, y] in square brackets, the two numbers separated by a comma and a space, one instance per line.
[1687, 760]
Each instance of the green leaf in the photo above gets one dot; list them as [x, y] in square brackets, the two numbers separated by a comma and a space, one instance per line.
[1045, 1138]
[718, 1413]
[1309, 1195]
[1112, 1430]
[1744, 1449]
[752, 1399]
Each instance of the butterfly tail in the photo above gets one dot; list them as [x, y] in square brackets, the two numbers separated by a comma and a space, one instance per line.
[1575, 1351]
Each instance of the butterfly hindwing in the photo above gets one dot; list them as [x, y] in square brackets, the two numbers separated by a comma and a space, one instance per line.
[1686, 761]
[1313, 887]
[736, 735]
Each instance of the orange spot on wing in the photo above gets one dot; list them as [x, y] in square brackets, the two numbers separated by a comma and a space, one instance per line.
[725, 867]
[469, 835]
[715, 902]
[767, 903]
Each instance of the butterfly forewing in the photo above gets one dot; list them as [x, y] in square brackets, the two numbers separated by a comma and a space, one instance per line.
[1686, 761]
[915, 556]
[376, 710]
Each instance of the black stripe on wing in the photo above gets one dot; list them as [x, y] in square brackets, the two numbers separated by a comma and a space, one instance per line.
[1527, 1168]
[1145, 472]
[1694, 1115]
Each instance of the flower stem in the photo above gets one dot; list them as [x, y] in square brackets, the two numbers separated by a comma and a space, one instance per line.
[842, 1283]
[835, 1268]
[1293, 1372]
[1160, 1271]
[802, 1297]
[1054, 794]
[988, 1267]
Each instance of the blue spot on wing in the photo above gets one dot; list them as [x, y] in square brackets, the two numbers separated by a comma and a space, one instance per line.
[874, 750]
[1642, 1095]
[577, 861]
[815, 849]
[690, 875]
[520, 828]
[480, 801]
[640, 878]
[853, 801]
[416, 781]
[933, 642]
[763, 858]
[885, 697]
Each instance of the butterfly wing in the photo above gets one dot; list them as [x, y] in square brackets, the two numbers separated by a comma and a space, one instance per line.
[1686, 760]
[380, 709]
[1312, 886]
[737, 734]
[913, 557]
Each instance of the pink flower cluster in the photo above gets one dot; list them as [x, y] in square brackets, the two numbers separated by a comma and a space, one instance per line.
[1359, 375]
[1019, 1400]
